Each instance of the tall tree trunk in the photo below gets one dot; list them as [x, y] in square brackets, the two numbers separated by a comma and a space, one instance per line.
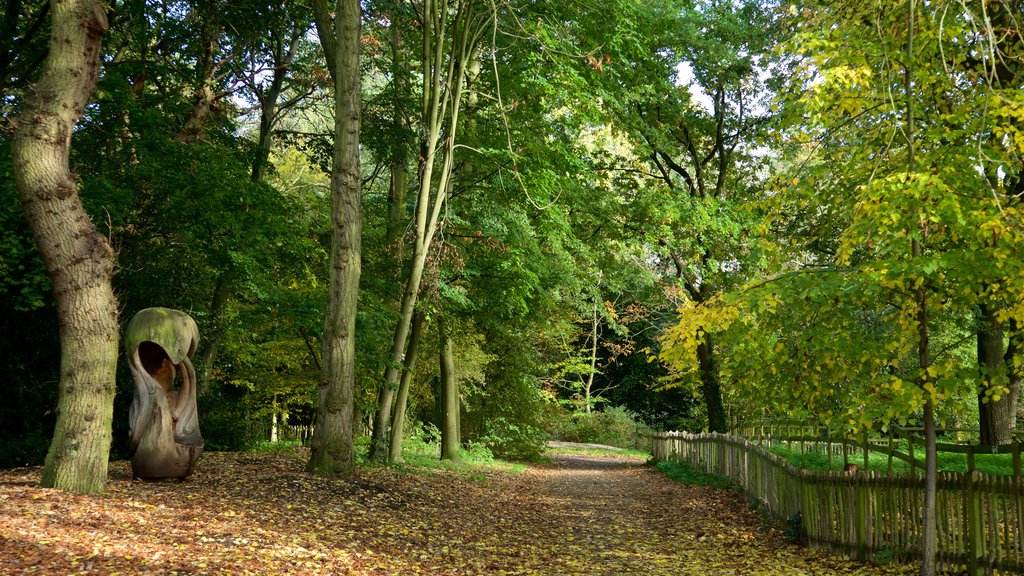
[205, 94]
[399, 189]
[929, 531]
[588, 385]
[450, 441]
[332, 453]
[710, 385]
[78, 258]
[443, 82]
[996, 418]
[397, 193]
[398, 419]
[221, 293]
[283, 53]
[265, 141]
[706, 362]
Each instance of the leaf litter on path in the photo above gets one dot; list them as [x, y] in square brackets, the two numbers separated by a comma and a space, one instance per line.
[261, 513]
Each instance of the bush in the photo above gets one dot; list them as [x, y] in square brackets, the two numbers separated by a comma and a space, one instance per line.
[227, 423]
[614, 426]
[512, 441]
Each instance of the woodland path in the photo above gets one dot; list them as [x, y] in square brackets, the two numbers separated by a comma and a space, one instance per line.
[260, 513]
[623, 517]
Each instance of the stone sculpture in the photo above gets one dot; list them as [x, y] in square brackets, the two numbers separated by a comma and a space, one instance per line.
[164, 420]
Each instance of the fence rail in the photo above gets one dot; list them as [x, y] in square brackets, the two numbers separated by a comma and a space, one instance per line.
[895, 442]
[866, 515]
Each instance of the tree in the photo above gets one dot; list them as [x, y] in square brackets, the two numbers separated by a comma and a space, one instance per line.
[909, 225]
[79, 259]
[450, 39]
[451, 433]
[332, 451]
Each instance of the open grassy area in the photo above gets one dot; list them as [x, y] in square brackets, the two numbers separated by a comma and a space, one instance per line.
[999, 464]
[590, 451]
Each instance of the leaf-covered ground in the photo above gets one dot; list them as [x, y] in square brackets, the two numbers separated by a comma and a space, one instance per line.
[261, 514]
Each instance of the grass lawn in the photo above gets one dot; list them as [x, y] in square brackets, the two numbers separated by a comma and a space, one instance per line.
[998, 464]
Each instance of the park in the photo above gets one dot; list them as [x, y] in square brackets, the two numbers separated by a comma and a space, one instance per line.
[318, 287]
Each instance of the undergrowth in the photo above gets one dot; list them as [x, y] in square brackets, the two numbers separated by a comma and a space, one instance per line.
[587, 451]
[685, 474]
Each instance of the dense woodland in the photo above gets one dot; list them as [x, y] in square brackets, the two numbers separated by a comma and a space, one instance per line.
[498, 221]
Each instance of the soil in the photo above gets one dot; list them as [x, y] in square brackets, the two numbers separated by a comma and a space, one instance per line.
[262, 514]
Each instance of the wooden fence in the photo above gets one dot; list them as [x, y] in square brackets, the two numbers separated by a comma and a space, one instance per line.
[867, 515]
[895, 443]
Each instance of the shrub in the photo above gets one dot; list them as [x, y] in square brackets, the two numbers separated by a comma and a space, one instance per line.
[513, 441]
[615, 426]
[227, 424]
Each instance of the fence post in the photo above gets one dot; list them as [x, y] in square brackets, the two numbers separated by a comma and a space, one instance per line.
[859, 494]
[867, 450]
[975, 520]
[1017, 497]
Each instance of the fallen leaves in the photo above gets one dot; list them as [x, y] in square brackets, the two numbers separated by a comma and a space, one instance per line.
[262, 514]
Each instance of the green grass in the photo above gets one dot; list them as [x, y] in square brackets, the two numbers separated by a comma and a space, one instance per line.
[878, 462]
[279, 446]
[421, 454]
[470, 468]
[596, 452]
[685, 474]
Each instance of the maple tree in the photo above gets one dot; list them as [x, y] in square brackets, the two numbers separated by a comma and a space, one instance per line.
[899, 177]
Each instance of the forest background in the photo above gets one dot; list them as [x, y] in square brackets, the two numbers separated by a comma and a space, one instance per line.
[675, 213]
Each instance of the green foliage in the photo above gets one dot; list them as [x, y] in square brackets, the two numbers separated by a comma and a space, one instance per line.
[228, 424]
[685, 474]
[24, 285]
[996, 464]
[832, 328]
[794, 530]
[612, 425]
[513, 440]
[422, 448]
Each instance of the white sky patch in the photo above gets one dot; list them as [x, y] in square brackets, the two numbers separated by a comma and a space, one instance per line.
[684, 77]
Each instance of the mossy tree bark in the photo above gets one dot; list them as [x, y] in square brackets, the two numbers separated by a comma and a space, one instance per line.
[78, 258]
[997, 418]
[332, 453]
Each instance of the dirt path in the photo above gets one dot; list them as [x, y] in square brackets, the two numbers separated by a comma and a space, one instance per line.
[262, 514]
[615, 515]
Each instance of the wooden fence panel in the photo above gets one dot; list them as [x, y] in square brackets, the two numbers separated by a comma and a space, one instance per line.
[866, 515]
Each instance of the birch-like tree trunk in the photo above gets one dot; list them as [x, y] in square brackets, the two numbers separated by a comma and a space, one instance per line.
[450, 437]
[332, 453]
[450, 36]
[588, 384]
[78, 258]
[402, 401]
[929, 532]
